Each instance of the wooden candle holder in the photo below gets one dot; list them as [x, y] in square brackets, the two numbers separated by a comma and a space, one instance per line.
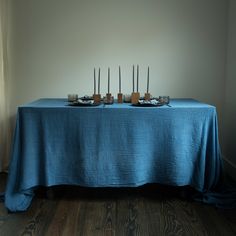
[120, 98]
[135, 97]
[147, 96]
[97, 98]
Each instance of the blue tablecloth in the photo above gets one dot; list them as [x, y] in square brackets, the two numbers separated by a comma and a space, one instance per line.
[113, 145]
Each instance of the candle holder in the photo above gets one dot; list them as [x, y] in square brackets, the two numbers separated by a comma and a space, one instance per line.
[147, 96]
[120, 97]
[135, 97]
[97, 98]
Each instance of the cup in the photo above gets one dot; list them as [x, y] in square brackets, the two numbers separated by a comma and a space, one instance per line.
[164, 99]
[108, 99]
[127, 98]
[72, 97]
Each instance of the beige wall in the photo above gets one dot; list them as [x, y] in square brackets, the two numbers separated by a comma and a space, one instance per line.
[55, 44]
[230, 95]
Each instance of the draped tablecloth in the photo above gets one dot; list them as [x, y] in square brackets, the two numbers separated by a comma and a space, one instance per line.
[115, 145]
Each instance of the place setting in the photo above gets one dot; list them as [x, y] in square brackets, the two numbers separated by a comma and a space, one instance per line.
[86, 100]
[147, 100]
[81, 102]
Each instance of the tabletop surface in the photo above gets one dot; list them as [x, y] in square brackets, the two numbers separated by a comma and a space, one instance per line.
[63, 103]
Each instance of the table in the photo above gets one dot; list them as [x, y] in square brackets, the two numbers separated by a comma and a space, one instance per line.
[115, 145]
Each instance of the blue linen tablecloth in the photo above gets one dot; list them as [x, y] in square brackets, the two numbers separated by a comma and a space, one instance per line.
[112, 146]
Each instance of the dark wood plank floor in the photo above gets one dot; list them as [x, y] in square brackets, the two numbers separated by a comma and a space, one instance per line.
[149, 210]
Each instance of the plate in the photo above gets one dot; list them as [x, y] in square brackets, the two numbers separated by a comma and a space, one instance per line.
[147, 105]
[152, 103]
[83, 103]
[86, 98]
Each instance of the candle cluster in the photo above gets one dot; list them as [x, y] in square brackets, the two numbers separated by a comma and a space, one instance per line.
[108, 82]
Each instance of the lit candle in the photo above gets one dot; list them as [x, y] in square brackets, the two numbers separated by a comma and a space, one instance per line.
[148, 80]
[133, 78]
[94, 84]
[99, 81]
[137, 76]
[109, 80]
[119, 80]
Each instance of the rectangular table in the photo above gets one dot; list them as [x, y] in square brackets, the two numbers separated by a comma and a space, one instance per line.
[112, 146]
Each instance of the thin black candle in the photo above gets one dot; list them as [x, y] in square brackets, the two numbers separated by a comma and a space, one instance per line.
[119, 80]
[133, 78]
[148, 80]
[94, 79]
[99, 81]
[109, 80]
[137, 77]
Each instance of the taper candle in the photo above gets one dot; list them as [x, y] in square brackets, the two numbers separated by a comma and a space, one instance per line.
[119, 80]
[133, 78]
[109, 80]
[137, 76]
[99, 81]
[94, 79]
[148, 80]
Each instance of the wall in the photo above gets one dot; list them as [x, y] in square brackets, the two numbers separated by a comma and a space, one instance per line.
[230, 98]
[57, 43]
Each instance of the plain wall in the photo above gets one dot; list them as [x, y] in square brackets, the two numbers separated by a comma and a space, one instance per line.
[57, 43]
[230, 97]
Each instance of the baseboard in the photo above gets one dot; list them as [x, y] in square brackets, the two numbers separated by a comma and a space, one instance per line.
[229, 168]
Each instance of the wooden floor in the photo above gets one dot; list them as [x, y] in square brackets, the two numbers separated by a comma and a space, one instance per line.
[150, 210]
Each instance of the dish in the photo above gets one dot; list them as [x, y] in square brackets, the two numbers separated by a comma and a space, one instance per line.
[81, 102]
[86, 98]
[149, 103]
